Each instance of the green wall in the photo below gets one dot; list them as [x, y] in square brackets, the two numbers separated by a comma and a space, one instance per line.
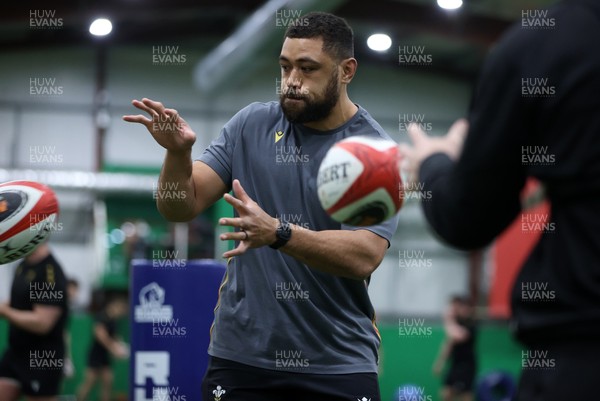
[403, 359]
[409, 360]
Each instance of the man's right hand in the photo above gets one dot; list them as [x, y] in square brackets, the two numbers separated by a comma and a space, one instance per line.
[166, 126]
[197, 184]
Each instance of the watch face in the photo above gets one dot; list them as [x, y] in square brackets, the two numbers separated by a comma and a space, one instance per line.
[283, 234]
[285, 231]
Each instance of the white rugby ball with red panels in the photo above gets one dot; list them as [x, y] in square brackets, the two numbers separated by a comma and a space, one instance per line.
[359, 181]
[28, 211]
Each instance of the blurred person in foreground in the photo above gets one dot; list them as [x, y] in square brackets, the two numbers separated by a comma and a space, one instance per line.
[535, 113]
[32, 366]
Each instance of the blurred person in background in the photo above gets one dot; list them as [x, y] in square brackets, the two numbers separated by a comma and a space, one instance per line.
[105, 343]
[459, 348]
[32, 366]
[72, 294]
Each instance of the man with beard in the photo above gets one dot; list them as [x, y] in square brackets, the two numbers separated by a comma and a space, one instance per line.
[294, 319]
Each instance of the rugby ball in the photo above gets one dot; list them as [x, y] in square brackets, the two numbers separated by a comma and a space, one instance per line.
[359, 181]
[28, 212]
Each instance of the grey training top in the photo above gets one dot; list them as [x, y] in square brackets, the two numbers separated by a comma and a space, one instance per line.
[275, 312]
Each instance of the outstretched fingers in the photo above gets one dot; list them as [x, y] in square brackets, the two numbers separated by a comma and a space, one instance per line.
[416, 134]
[240, 192]
[138, 119]
[158, 107]
[236, 203]
[459, 129]
[239, 250]
[140, 105]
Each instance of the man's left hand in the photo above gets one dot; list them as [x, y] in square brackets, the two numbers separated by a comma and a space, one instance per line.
[256, 227]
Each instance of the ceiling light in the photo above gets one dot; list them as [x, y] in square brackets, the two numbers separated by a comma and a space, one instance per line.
[100, 27]
[379, 42]
[450, 4]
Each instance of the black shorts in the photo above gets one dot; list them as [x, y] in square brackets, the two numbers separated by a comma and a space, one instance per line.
[461, 376]
[37, 374]
[558, 372]
[98, 359]
[231, 381]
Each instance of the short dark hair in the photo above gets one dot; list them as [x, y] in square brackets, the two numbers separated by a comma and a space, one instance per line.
[338, 38]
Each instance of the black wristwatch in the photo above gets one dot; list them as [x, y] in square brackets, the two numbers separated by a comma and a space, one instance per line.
[283, 234]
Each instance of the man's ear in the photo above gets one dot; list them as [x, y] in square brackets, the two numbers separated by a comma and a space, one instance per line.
[349, 66]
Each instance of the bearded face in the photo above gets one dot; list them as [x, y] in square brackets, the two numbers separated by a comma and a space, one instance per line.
[300, 106]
